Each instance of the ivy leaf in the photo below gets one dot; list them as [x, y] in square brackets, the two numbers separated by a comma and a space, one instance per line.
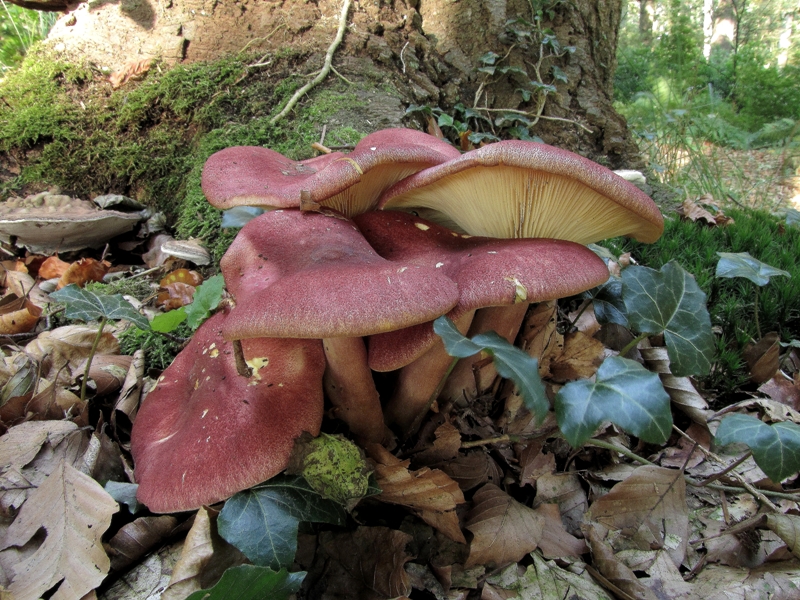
[609, 306]
[776, 447]
[88, 306]
[510, 362]
[262, 522]
[670, 301]
[559, 74]
[624, 393]
[741, 264]
[206, 298]
[489, 58]
[249, 582]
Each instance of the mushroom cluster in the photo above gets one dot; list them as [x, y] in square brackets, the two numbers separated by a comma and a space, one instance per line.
[344, 274]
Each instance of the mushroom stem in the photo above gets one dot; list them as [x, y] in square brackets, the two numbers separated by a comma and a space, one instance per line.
[506, 321]
[349, 386]
[419, 383]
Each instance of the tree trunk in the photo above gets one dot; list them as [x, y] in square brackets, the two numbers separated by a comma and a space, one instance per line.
[556, 66]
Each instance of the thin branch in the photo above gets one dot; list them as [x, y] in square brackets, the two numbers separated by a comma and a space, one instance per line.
[325, 69]
[533, 115]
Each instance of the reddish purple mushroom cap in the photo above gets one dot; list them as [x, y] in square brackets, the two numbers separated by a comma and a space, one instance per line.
[515, 189]
[308, 275]
[350, 184]
[205, 432]
[488, 271]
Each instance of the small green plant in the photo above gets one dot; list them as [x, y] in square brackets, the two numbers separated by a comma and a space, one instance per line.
[775, 448]
[206, 298]
[20, 28]
[741, 264]
[87, 306]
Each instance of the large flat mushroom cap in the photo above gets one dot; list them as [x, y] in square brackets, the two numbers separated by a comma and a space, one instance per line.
[351, 184]
[205, 432]
[308, 275]
[488, 271]
[524, 189]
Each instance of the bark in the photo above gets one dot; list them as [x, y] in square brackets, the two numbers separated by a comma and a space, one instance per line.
[429, 50]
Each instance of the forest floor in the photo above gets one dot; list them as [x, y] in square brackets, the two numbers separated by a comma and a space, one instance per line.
[485, 502]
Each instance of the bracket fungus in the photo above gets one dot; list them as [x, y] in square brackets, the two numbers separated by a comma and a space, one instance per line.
[309, 275]
[205, 433]
[489, 272]
[350, 184]
[515, 189]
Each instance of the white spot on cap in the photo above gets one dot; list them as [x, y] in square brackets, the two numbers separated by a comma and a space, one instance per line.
[205, 412]
[440, 264]
[214, 353]
[491, 252]
[401, 269]
[374, 148]
[421, 226]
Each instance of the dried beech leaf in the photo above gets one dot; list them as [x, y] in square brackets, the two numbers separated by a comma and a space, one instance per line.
[579, 358]
[430, 494]
[782, 389]
[108, 371]
[134, 540]
[75, 512]
[472, 469]
[204, 558]
[445, 446]
[556, 542]
[129, 395]
[504, 530]
[52, 268]
[651, 503]
[763, 357]
[564, 489]
[68, 346]
[84, 271]
[788, 528]
[133, 70]
[18, 315]
[18, 283]
[534, 463]
[175, 295]
[539, 337]
[681, 390]
[613, 569]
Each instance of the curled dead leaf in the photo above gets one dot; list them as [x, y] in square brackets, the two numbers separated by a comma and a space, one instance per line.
[18, 315]
[84, 271]
[53, 267]
[133, 70]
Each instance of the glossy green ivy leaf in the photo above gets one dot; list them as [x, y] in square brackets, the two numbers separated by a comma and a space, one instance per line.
[624, 393]
[262, 522]
[249, 582]
[609, 306]
[741, 264]
[510, 362]
[775, 448]
[670, 301]
[88, 306]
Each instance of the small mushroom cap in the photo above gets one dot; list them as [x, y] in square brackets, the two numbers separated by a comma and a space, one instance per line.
[350, 184]
[205, 432]
[308, 275]
[488, 271]
[517, 189]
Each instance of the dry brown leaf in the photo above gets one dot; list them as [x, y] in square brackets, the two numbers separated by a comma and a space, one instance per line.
[133, 70]
[788, 528]
[587, 321]
[648, 506]
[564, 489]
[579, 358]
[776, 581]
[29, 452]
[18, 315]
[534, 463]
[763, 357]
[613, 569]
[684, 454]
[149, 578]
[445, 446]
[556, 542]
[18, 283]
[75, 512]
[128, 401]
[503, 529]
[681, 390]
[108, 372]
[84, 271]
[136, 539]
[782, 389]
[539, 336]
[694, 212]
[430, 494]
[367, 563]
[472, 469]
[68, 346]
[52, 268]
[175, 295]
[204, 558]
[53, 402]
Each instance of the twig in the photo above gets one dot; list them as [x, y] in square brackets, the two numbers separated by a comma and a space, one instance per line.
[403, 62]
[325, 69]
[531, 114]
[342, 77]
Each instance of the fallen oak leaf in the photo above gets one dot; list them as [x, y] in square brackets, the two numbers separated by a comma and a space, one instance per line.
[75, 512]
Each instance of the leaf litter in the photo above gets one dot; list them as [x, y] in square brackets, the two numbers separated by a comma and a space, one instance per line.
[486, 501]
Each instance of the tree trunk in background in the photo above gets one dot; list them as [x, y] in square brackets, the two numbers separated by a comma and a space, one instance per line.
[428, 50]
[646, 10]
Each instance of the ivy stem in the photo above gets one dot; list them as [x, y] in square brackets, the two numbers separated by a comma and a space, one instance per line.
[633, 343]
[102, 323]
